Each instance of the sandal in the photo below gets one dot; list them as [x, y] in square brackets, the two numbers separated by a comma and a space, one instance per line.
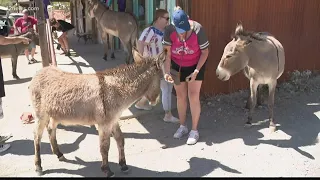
[32, 61]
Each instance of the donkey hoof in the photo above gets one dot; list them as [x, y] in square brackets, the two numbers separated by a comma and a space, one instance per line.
[62, 158]
[105, 58]
[125, 169]
[112, 56]
[272, 127]
[15, 76]
[247, 124]
[110, 174]
[39, 171]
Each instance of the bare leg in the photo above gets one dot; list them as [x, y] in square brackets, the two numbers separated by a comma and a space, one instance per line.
[118, 136]
[33, 51]
[253, 99]
[51, 128]
[194, 100]
[182, 103]
[104, 136]
[65, 42]
[272, 89]
[26, 52]
[63, 47]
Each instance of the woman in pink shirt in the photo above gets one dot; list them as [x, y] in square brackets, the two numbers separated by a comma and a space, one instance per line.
[187, 51]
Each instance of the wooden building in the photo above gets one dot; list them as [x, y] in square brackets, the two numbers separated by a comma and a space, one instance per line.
[296, 23]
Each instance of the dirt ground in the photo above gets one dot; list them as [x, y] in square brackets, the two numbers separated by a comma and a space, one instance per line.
[225, 149]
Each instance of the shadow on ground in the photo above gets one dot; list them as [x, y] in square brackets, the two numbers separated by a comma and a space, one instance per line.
[198, 167]
[17, 81]
[296, 118]
[28, 147]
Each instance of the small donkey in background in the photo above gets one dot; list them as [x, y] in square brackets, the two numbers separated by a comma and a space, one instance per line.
[92, 99]
[123, 25]
[14, 50]
[261, 56]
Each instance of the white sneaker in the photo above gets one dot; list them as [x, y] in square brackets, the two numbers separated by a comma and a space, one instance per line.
[183, 130]
[193, 137]
[4, 147]
[146, 107]
[171, 119]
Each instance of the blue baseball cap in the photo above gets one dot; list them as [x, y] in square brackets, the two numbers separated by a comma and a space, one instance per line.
[181, 21]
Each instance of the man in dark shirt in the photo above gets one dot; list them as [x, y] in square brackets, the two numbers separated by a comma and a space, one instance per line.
[62, 27]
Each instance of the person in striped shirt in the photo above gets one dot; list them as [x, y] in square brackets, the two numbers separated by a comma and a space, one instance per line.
[150, 44]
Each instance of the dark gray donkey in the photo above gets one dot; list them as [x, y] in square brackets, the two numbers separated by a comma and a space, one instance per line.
[262, 58]
[14, 50]
[123, 25]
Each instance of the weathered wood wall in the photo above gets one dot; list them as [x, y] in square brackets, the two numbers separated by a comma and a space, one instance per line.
[296, 23]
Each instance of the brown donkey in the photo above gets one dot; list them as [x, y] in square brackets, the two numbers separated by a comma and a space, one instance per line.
[261, 56]
[92, 99]
[123, 25]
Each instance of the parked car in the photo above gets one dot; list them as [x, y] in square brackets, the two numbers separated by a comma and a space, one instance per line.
[3, 11]
[6, 26]
[16, 15]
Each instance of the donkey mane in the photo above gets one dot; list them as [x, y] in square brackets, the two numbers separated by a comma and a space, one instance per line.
[127, 68]
[251, 34]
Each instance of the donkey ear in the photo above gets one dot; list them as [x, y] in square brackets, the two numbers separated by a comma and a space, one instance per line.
[239, 29]
[136, 55]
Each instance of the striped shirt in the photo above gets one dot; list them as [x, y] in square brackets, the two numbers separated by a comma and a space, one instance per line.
[153, 37]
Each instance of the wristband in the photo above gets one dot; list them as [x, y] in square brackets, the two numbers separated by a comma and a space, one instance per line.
[196, 71]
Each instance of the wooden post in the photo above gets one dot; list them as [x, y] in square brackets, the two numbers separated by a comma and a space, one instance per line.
[50, 42]
[42, 33]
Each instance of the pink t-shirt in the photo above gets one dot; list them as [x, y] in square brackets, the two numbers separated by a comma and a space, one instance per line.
[185, 53]
[25, 24]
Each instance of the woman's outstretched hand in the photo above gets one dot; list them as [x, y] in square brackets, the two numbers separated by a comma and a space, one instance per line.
[168, 78]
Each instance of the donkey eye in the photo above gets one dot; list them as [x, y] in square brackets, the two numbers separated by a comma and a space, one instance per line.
[228, 56]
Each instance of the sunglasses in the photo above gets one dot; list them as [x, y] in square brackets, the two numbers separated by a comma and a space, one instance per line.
[167, 18]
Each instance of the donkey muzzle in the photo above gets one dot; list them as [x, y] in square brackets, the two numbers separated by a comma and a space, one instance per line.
[222, 74]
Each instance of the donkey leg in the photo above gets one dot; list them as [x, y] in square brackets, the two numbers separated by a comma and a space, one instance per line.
[260, 94]
[128, 50]
[118, 136]
[52, 128]
[105, 55]
[14, 61]
[253, 100]
[41, 124]
[272, 90]
[112, 46]
[248, 105]
[104, 136]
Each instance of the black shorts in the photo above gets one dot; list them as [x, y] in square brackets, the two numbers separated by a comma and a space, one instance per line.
[186, 71]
